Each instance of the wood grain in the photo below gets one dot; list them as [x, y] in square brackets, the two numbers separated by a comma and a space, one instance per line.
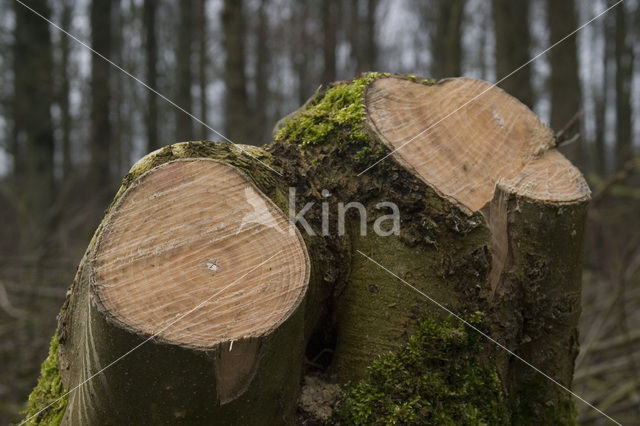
[190, 231]
[477, 135]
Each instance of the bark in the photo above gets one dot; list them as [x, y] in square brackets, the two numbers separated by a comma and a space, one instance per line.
[501, 254]
[446, 41]
[240, 380]
[101, 131]
[236, 99]
[151, 73]
[511, 29]
[34, 144]
[564, 83]
[624, 75]
[500, 246]
[184, 123]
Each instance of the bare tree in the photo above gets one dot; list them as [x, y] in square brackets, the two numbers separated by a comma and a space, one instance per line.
[202, 64]
[624, 74]
[511, 28]
[63, 91]
[301, 57]
[101, 132]
[236, 100]
[601, 100]
[184, 123]
[261, 76]
[151, 72]
[329, 18]
[361, 32]
[34, 144]
[564, 84]
[446, 39]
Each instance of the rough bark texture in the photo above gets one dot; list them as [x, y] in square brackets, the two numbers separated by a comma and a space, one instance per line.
[510, 265]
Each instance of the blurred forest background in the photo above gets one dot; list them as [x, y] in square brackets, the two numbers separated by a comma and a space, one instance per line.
[71, 125]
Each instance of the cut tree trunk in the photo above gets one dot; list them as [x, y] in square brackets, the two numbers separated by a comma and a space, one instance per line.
[196, 256]
[210, 302]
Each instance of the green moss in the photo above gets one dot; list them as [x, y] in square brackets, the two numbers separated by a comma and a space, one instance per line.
[49, 394]
[441, 376]
[337, 118]
[340, 111]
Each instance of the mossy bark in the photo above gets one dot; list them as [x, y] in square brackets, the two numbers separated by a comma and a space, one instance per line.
[541, 299]
[441, 249]
[446, 253]
[115, 376]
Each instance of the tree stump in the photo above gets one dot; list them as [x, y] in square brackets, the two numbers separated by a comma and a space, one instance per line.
[197, 298]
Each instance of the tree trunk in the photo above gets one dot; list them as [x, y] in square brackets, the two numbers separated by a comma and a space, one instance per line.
[261, 132]
[101, 135]
[121, 103]
[235, 80]
[64, 93]
[300, 57]
[624, 75]
[564, 82]
[370, 57]
[329, 18]
[34, 144]
[151, 73]
[203, 65]
[600, 152]
[446, 40]
[490, 220]
[362, 33]
[511, 29]
[184, 123]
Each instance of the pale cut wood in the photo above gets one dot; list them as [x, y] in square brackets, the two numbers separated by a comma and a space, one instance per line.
[477, 136]
[191, 231]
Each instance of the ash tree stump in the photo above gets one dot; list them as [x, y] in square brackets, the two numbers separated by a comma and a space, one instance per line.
[197, 297]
